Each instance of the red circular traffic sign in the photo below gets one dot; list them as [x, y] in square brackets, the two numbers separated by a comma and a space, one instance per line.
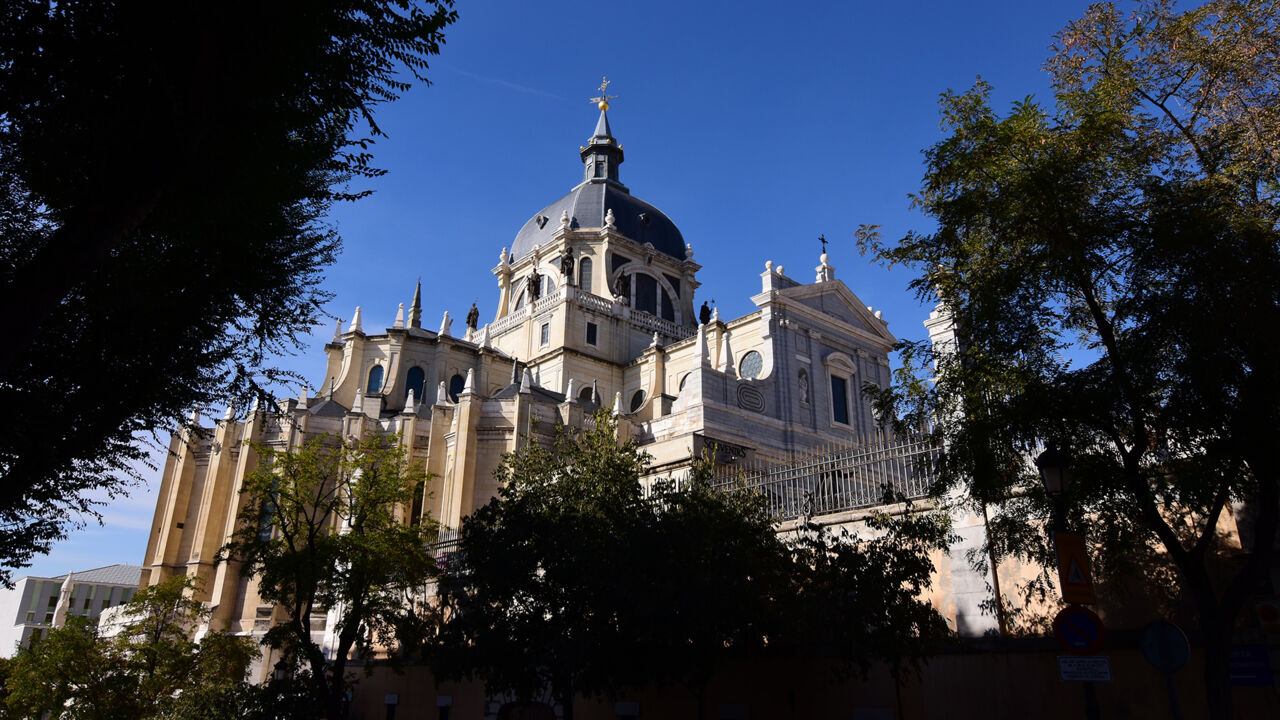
[1079, 630]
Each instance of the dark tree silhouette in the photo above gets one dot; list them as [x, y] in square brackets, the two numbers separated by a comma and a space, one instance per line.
[165, 170]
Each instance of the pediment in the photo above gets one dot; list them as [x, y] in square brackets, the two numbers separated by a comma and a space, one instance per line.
[835, 300]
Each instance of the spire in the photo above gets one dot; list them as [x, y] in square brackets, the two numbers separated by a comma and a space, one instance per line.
[602, 155]
[415, 309]
[356, 325]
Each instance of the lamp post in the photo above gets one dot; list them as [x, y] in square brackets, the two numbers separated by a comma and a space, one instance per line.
[1056, 476]
[1052, 464]
[280, 671]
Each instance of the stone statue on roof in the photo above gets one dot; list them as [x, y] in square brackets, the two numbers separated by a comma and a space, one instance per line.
[473, 316]
[566, 267]
[535, 285]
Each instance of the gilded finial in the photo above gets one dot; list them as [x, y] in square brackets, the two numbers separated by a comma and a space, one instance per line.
[602, 101]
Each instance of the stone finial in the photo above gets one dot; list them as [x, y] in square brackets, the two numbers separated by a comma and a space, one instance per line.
[654, 342]
[617, 403]
[442, 394]
[194, 417]
[502, 257]
[469, 386]
[356, 325]
[409, 401]
[564, 220]
[688, 251]
[230, 414]
[768, 266]
[253, 408]
[470, 334]
[726, 354]
[526, 382]
[415, 307]
[715, 314]
[781, 270]
[302, 396]
[700, 358]
[358, 406]
[446, 323]
[337, 331]
[880, 315]
[569, 395]
[484, 341]
[609, 220]
[826, 273]
[399, 323]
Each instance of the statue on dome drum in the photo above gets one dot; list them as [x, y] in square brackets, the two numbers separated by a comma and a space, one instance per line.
[473, 316]
[566, 267]
[535, 286]
[622, 288]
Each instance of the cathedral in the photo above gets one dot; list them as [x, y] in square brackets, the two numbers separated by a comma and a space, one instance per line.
[596, 308]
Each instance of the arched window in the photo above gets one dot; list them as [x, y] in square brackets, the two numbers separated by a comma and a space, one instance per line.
[414, 381]
[375, 380]
[456, 383]
[637, 400]
[584, 274]
[585, 395]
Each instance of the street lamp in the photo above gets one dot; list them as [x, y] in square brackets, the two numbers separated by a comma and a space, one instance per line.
[1056, 477]
[281, 671]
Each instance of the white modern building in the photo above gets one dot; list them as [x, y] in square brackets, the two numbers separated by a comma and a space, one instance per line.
[34, 605]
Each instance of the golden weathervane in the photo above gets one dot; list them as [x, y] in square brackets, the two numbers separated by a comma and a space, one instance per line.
[602, 101]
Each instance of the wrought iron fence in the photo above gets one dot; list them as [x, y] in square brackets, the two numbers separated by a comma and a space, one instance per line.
[873, 470]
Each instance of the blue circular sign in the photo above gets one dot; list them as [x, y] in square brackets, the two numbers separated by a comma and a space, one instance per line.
[1079, 630]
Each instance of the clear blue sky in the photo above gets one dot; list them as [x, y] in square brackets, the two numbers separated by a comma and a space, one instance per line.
[755, 126]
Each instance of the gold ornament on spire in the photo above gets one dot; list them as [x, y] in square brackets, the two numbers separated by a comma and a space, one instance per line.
[602, 101]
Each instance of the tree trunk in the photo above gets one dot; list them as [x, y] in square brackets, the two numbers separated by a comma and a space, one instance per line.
[1217, 671]
[566, 703]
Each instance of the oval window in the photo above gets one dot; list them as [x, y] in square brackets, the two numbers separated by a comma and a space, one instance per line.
[751, 365]
[637, 400]
[375, 380]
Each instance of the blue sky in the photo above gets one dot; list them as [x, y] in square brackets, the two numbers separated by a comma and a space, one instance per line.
[754, 126]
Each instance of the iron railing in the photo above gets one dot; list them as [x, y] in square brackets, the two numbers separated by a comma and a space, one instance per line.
[874, 470]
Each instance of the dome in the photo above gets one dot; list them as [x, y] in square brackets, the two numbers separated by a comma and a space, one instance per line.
[587, 205]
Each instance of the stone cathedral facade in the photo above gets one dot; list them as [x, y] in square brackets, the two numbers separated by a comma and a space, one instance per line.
[596, 307]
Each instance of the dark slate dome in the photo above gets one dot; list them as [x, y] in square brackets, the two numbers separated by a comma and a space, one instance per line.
[588, 203]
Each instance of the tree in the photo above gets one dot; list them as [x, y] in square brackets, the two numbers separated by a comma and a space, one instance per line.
[324, 530]
[574, 581]
[1110, 266]
[861, 598]
[165, 171]
[151, 669]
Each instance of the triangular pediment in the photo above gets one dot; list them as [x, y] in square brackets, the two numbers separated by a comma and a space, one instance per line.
[835, 300]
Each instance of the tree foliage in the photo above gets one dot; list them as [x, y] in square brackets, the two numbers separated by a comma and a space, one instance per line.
[324, 530]
[150, 669]
[1110, 265]
[165, 172]
[575, 580]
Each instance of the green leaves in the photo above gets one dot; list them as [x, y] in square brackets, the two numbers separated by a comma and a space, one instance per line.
[169, 169]
[1107, 264]
[577, 579]
[150, 669]
[326, 528]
